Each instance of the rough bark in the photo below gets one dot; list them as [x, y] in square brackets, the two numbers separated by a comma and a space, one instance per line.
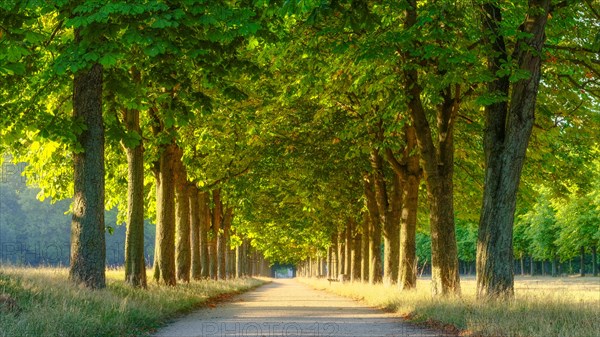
[135, 263]
[409, 171]
[508, 127]
[438, 163]
[196, 262]
[374, 232]
[164, 256]
[88, 249]
[389, 203]
[182, 221]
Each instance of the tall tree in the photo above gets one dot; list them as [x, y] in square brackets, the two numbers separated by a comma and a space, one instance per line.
[509, 122]
[88, 250]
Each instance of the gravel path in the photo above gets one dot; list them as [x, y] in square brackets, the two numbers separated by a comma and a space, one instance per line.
[286, 307]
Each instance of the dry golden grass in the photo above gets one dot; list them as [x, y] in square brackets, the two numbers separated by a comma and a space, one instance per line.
[51, 306]
[543, 306]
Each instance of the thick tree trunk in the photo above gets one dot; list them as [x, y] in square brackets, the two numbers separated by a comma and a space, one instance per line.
[508, 128]
[164, 256]
[196, 263]
[135, 263]
[182, 221]
[364, 248]
[204, 228]
[438, 164]
[88, 249]
[374, 233]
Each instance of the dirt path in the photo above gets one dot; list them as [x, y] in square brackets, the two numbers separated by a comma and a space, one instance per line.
[288, 308]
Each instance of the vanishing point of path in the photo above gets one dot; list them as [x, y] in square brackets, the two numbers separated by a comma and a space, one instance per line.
[286, 307]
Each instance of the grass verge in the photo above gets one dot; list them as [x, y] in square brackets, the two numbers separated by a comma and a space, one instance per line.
[52, 306]
[542, 307]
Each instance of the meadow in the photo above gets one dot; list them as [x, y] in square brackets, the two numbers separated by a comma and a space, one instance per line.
[49, 305]
[542, 307]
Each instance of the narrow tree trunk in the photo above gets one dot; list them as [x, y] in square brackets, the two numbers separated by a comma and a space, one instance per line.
[196, 263]
[217, 227]
[340, 252]
[532, 266]
[135, 263]
[374, 233]
[182, 221]
[594, 261]
[224, 246]
[88, 249]
[334, 255]
[348, 246]
[389, 201]
[508, 128]
[204, 228]
[164, 258]
[408, 228]
[582, 262]
[364, 248]
[522, 265]
[355, 269]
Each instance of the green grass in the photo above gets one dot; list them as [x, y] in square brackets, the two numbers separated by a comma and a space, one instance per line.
[543, 306]
[51, 306]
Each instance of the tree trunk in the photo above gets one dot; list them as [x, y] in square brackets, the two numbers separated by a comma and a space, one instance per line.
[508, 128]
[582, 262]
[224, 246]
[348, 246]
[374, 232]
[182, 221]
[204, 228]
[164, 256]
[135, 263]
[409, 171]
[532, 266]
[88, 248]
[364, 248]
[355, 269]
[438, 164]
[389, 203]
[217, 226]
[555, 266]
[340, 252]
[196, 262]
[408, 228]
[522, 265]
[594, 261]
